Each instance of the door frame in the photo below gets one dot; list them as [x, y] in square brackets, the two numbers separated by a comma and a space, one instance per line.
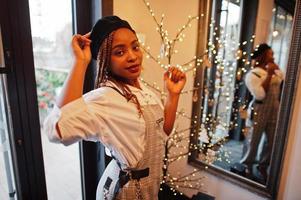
[23, 113]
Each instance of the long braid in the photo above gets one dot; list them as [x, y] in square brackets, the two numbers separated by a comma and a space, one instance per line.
[128, 94]
[103, 58]
[104, 72]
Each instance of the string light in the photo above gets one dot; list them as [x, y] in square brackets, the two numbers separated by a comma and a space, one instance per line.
[224, 76]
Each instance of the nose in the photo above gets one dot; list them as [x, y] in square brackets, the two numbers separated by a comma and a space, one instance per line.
[132, 56]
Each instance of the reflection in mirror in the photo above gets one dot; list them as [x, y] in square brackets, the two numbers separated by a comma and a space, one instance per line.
[242, 87]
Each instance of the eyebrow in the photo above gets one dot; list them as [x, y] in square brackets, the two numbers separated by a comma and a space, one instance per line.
[123, 45]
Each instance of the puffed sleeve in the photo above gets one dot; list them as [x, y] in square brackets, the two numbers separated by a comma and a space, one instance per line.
[254, 85]
[78, 120]
[100, 115]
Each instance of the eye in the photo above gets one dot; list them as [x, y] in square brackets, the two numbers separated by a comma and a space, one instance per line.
[119, 53]
[136, 47]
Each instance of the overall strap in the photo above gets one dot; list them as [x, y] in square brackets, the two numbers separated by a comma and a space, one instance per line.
[126, 176]
[256, 74]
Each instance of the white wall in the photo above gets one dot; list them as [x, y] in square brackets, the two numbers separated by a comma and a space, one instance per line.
[176, 12]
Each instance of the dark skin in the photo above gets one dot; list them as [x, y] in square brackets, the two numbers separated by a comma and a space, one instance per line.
[266, 62]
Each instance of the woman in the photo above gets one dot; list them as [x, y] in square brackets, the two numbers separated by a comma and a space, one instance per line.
[121, 113]
[263, 82]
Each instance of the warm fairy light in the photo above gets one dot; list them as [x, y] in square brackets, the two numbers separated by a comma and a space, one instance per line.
[275, 33]
[226, 73]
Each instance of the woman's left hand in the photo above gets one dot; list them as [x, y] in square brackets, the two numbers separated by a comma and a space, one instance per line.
[174, 80]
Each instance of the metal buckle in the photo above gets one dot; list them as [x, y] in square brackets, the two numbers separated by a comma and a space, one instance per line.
[129, 173]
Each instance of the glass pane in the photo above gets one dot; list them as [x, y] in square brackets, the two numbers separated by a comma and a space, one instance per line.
[7, 181]
[226, 67]
[219, 93]
[51, 25]
[280, 34]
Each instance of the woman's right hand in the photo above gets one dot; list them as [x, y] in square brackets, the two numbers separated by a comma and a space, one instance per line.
[73, 87]
[81, 48]
[271, 67]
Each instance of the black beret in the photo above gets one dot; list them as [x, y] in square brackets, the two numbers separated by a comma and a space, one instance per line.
[102, 29]
[260, 50]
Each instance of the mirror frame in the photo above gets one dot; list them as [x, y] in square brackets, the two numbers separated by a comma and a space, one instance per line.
[286, 110]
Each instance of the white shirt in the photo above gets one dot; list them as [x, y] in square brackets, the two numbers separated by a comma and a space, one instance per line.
[255, 78]
[104, 115]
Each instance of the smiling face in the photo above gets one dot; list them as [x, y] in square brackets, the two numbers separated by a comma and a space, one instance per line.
[126, 57]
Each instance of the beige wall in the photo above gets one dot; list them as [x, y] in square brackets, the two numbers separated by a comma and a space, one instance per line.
[291, 175]
[176, 12]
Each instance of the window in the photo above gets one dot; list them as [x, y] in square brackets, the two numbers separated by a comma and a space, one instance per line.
[220, 78]
[280, 34]
[7, 183]
[51, 25]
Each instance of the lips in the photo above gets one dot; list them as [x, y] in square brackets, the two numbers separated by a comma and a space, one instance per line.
[133, 68]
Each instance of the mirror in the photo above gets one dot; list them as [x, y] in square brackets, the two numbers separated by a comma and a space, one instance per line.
[238, 137]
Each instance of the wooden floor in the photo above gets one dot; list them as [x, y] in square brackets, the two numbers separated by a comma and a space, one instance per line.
[62, 171]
